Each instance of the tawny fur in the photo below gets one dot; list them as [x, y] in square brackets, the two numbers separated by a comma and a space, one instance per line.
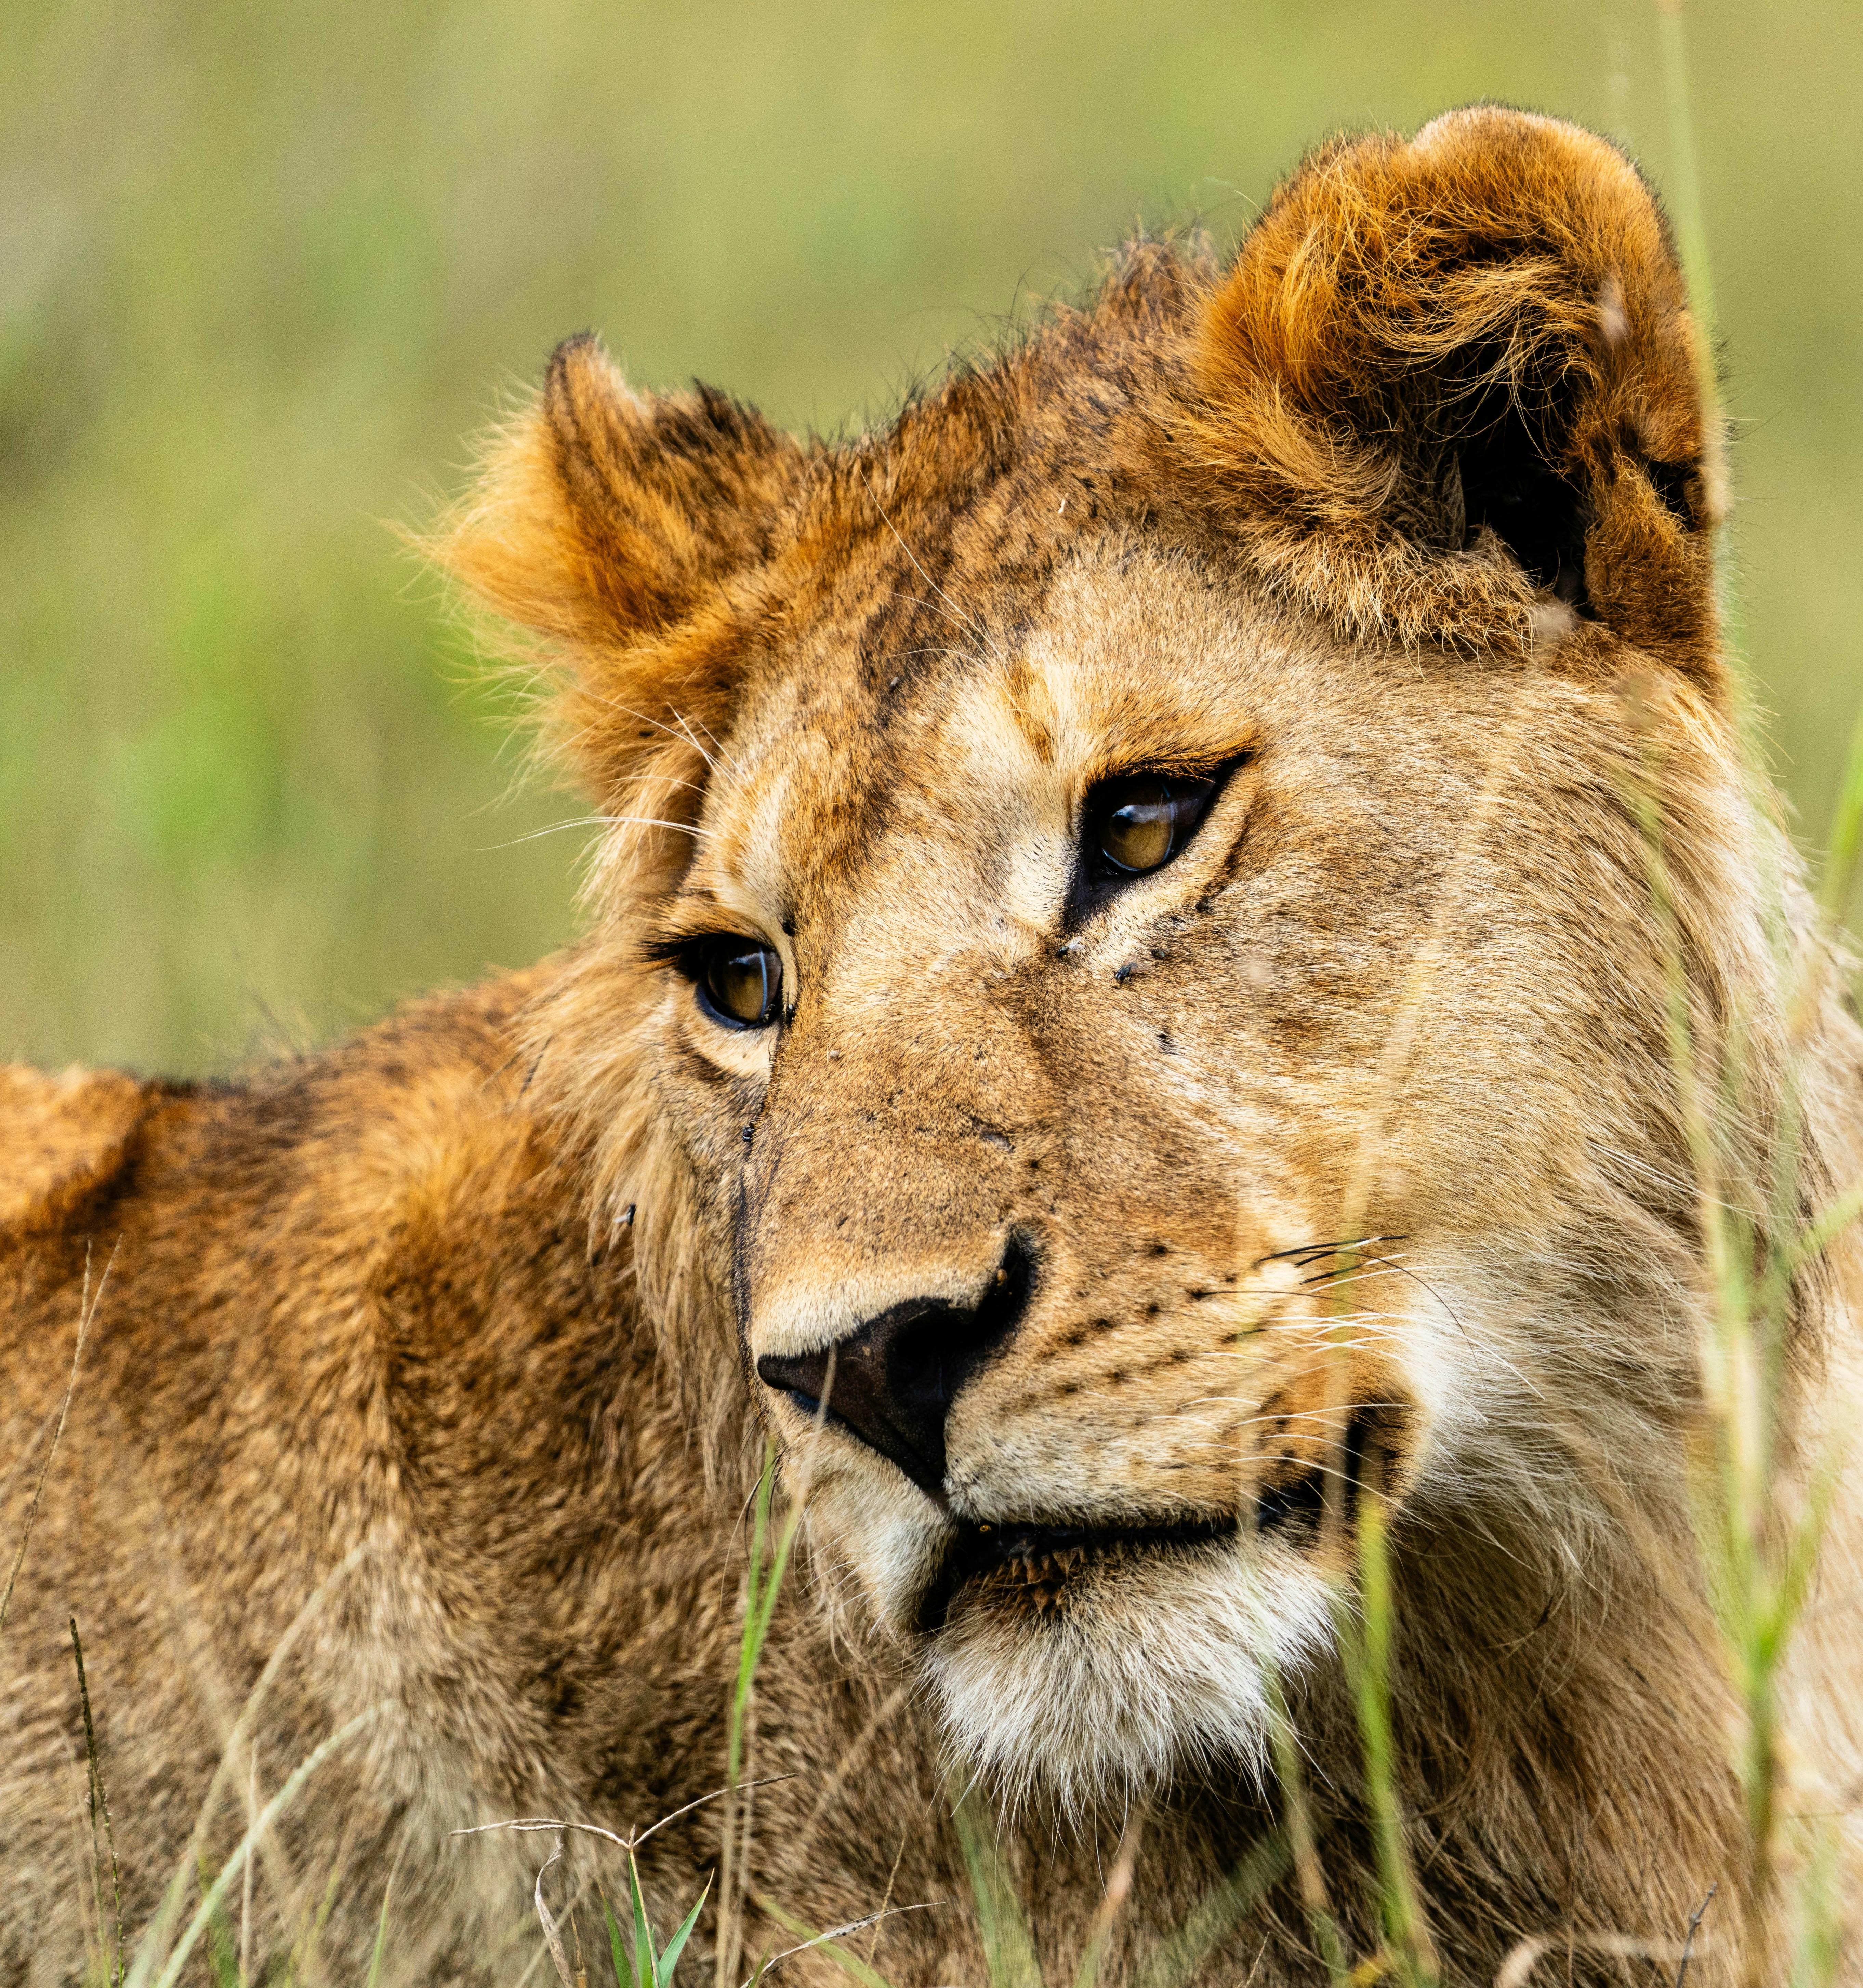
[422, 1370]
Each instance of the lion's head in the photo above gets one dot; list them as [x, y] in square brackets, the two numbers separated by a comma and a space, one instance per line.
[1126, 983]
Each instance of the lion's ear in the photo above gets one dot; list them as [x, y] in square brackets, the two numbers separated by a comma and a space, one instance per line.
[621, 530]
[1450, 388]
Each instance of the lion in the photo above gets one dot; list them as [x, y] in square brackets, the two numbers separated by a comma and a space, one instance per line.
[1160, 927]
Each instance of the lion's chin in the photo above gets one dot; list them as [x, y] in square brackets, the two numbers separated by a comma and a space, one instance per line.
[1085, 1679]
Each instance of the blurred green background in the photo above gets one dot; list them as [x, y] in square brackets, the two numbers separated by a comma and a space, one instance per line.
[263, 267]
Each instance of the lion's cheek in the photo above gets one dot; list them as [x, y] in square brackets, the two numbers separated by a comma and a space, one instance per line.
[875, 1545]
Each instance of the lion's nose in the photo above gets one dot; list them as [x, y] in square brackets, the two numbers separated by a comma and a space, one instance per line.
[892, 1381]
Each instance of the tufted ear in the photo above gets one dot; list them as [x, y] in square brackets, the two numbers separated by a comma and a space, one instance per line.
[1450, 391]
[623, 532]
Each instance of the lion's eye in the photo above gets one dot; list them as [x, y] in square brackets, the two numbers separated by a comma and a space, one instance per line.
[1140, 822]
[740, 983]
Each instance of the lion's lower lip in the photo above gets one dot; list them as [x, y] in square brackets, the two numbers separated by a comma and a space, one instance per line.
[1034, 1562]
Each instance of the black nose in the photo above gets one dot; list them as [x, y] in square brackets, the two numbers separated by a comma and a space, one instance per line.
[891, 1383]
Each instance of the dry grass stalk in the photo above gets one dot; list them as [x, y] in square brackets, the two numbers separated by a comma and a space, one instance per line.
[849, 1963]
[100, 1800]
[1518, 1968]
[148, 1955]
[87, 1312]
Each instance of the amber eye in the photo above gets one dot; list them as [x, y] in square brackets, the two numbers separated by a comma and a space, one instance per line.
[1138, 822]
[740, 982]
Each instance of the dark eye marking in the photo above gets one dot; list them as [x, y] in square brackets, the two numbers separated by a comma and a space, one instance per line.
[1135, 823]
[737, 981]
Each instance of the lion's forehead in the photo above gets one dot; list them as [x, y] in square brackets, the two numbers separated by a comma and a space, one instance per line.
[936, 805]
[963, 764]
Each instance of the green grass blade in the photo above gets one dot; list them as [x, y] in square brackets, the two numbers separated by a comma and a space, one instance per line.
[1366, 1646]
[756, 1620]
[1009, 1947]
[1181, 1958]
[643, 1932]
[1842, 862]
[764, 1585]
[222, 1953]
[623, 1972]
[663, 1967]
[381, 1934]
[826, 1943]
[1684, 175]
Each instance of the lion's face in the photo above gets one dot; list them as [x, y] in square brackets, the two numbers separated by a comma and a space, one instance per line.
[1105, 1209]
[1048, 1157]
[1144, 935]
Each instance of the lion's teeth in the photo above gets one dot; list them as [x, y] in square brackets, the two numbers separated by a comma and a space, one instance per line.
[1043, 1572]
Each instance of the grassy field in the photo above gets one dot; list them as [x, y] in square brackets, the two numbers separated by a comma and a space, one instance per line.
[262, 270]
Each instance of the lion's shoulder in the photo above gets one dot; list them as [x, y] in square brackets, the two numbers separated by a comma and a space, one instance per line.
[64, 1136]
[348, 1131]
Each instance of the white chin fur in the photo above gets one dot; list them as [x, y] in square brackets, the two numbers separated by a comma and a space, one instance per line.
[1108, 1698]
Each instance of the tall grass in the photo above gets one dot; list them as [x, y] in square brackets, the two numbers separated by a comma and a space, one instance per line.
[769, 1561]
[1760, 1550]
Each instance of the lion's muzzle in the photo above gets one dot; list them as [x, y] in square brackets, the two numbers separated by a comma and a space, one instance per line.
[892, 1381]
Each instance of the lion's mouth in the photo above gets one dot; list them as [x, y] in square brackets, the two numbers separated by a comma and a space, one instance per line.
[1042, 1567]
